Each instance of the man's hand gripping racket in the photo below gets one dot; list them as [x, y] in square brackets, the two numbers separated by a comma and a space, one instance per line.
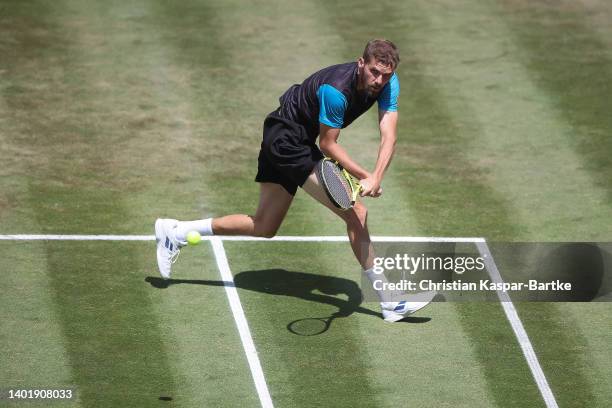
[341, 188]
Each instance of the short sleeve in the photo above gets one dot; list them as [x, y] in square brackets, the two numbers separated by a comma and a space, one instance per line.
[387, 100]
[332, 105]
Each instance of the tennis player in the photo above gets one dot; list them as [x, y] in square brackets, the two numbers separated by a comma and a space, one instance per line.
[327, 101]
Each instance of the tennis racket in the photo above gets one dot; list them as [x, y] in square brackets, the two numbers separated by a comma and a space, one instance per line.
[340, 186]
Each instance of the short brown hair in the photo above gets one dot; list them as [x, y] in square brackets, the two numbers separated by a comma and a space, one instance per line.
[383, 51]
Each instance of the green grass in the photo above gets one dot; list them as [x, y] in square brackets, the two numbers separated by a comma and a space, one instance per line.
[115, 113]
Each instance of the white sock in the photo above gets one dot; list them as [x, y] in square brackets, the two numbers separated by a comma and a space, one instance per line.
[383, 295]
[204, 227]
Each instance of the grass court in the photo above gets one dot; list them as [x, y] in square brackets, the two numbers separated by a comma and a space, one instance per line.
[114, 113]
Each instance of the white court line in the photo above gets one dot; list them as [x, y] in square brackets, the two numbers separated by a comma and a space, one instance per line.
[286, 238]
[54, 237]
[241, 323]
[517, 327]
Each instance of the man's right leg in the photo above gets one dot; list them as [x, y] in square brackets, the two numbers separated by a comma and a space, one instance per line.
[274, 202]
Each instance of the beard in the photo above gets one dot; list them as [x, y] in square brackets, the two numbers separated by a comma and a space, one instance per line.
[369, 90]
[372, 91]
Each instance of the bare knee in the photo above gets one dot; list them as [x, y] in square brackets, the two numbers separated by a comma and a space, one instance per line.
[263, 229]
[361, 211]
[266, 233]
[357, 217]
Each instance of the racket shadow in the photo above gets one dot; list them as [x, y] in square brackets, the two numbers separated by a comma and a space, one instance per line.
[302, 285]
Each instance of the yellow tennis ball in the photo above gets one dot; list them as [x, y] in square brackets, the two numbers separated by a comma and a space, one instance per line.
[193, 237]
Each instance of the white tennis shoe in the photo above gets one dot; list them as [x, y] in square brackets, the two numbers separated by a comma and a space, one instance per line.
[396, 311]
[168, 247]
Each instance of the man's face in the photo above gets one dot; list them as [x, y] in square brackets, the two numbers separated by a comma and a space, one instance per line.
[373, 76]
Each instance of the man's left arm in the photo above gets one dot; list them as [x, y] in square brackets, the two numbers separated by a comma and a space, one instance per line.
[387, 121]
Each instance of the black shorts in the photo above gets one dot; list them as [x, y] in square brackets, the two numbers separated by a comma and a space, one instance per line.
[287, 155]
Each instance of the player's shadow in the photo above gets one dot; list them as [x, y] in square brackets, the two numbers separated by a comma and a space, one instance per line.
[307, 286]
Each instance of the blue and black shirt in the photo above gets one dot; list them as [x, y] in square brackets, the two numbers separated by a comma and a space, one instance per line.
[330, 96]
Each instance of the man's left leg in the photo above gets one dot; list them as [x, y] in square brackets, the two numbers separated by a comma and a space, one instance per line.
[355, 219]
[357, 229]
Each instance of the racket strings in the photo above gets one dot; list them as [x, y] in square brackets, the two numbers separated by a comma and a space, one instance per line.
[337, 184]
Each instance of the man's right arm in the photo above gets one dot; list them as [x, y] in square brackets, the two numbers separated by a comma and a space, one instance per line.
[328, 143]
[332, 105]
